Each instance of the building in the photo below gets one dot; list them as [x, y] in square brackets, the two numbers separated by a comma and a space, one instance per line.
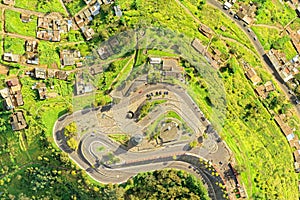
[40, 73]
[105, 52]
[264, 90]
[171, 68]
[252, 76]
[198, 46]
[227, 5]
[205, 30]
[95, 9]
[291, 138]
[49, 28]
[68, 57]
[88, 33]
[247, 13]
[42, 90]
[25, 17]
[17, 121]
[286, 129]
[33, 60]
[9, 57]
[284, 68]
[43, 22]
[62, 75]
[118, 11]
[31, 46]
[295, 38]
[15, 92]
[155, 60]
[5, 94]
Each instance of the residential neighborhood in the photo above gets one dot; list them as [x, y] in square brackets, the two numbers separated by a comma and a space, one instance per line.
[114, 99]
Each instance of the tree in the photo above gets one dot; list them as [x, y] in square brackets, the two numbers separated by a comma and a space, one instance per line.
[70, 130]
[193, 143]
[72, 143]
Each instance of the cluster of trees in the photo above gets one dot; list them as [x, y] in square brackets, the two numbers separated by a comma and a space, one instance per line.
[147, 107]
[280, 42]
[70, 132]
[44, 182]
[165, 184]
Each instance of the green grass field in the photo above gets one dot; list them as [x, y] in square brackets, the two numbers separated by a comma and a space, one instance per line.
[75, 6]
[41, 6]
[275, 13]
[14, 24]
[268, 38]
[14, 45]
[48, 53]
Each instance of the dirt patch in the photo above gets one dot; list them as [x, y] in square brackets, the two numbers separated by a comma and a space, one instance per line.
[3, 69]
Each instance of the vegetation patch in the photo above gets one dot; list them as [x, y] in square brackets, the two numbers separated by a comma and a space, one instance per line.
[274, 12]
[120, 138]
[14, 45]
[166, 184]
[148, 107]
[45, 6]
[75, 6]
[48, 53]
[14, 24]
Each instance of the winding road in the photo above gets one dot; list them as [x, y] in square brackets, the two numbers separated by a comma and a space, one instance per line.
[92, 160]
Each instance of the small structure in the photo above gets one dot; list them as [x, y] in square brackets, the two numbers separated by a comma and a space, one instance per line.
[284, 68]
[198, 46]
[40, 73]
[42, 90]
[286, 129]
[15, 92]
[227, 5]
[205, 30]
[9, 57]
[62, 75]
[252, 76]
[17, 121]
[223, 28]
[136, 139]
[171, 68]
[31, 46]
[88, 33]
[247, 13]
[264, 90]
[5, 94]
[118, 11]
[95, 9]
[25, 17]
[155, 60]
[104, 52]
[67, 57]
